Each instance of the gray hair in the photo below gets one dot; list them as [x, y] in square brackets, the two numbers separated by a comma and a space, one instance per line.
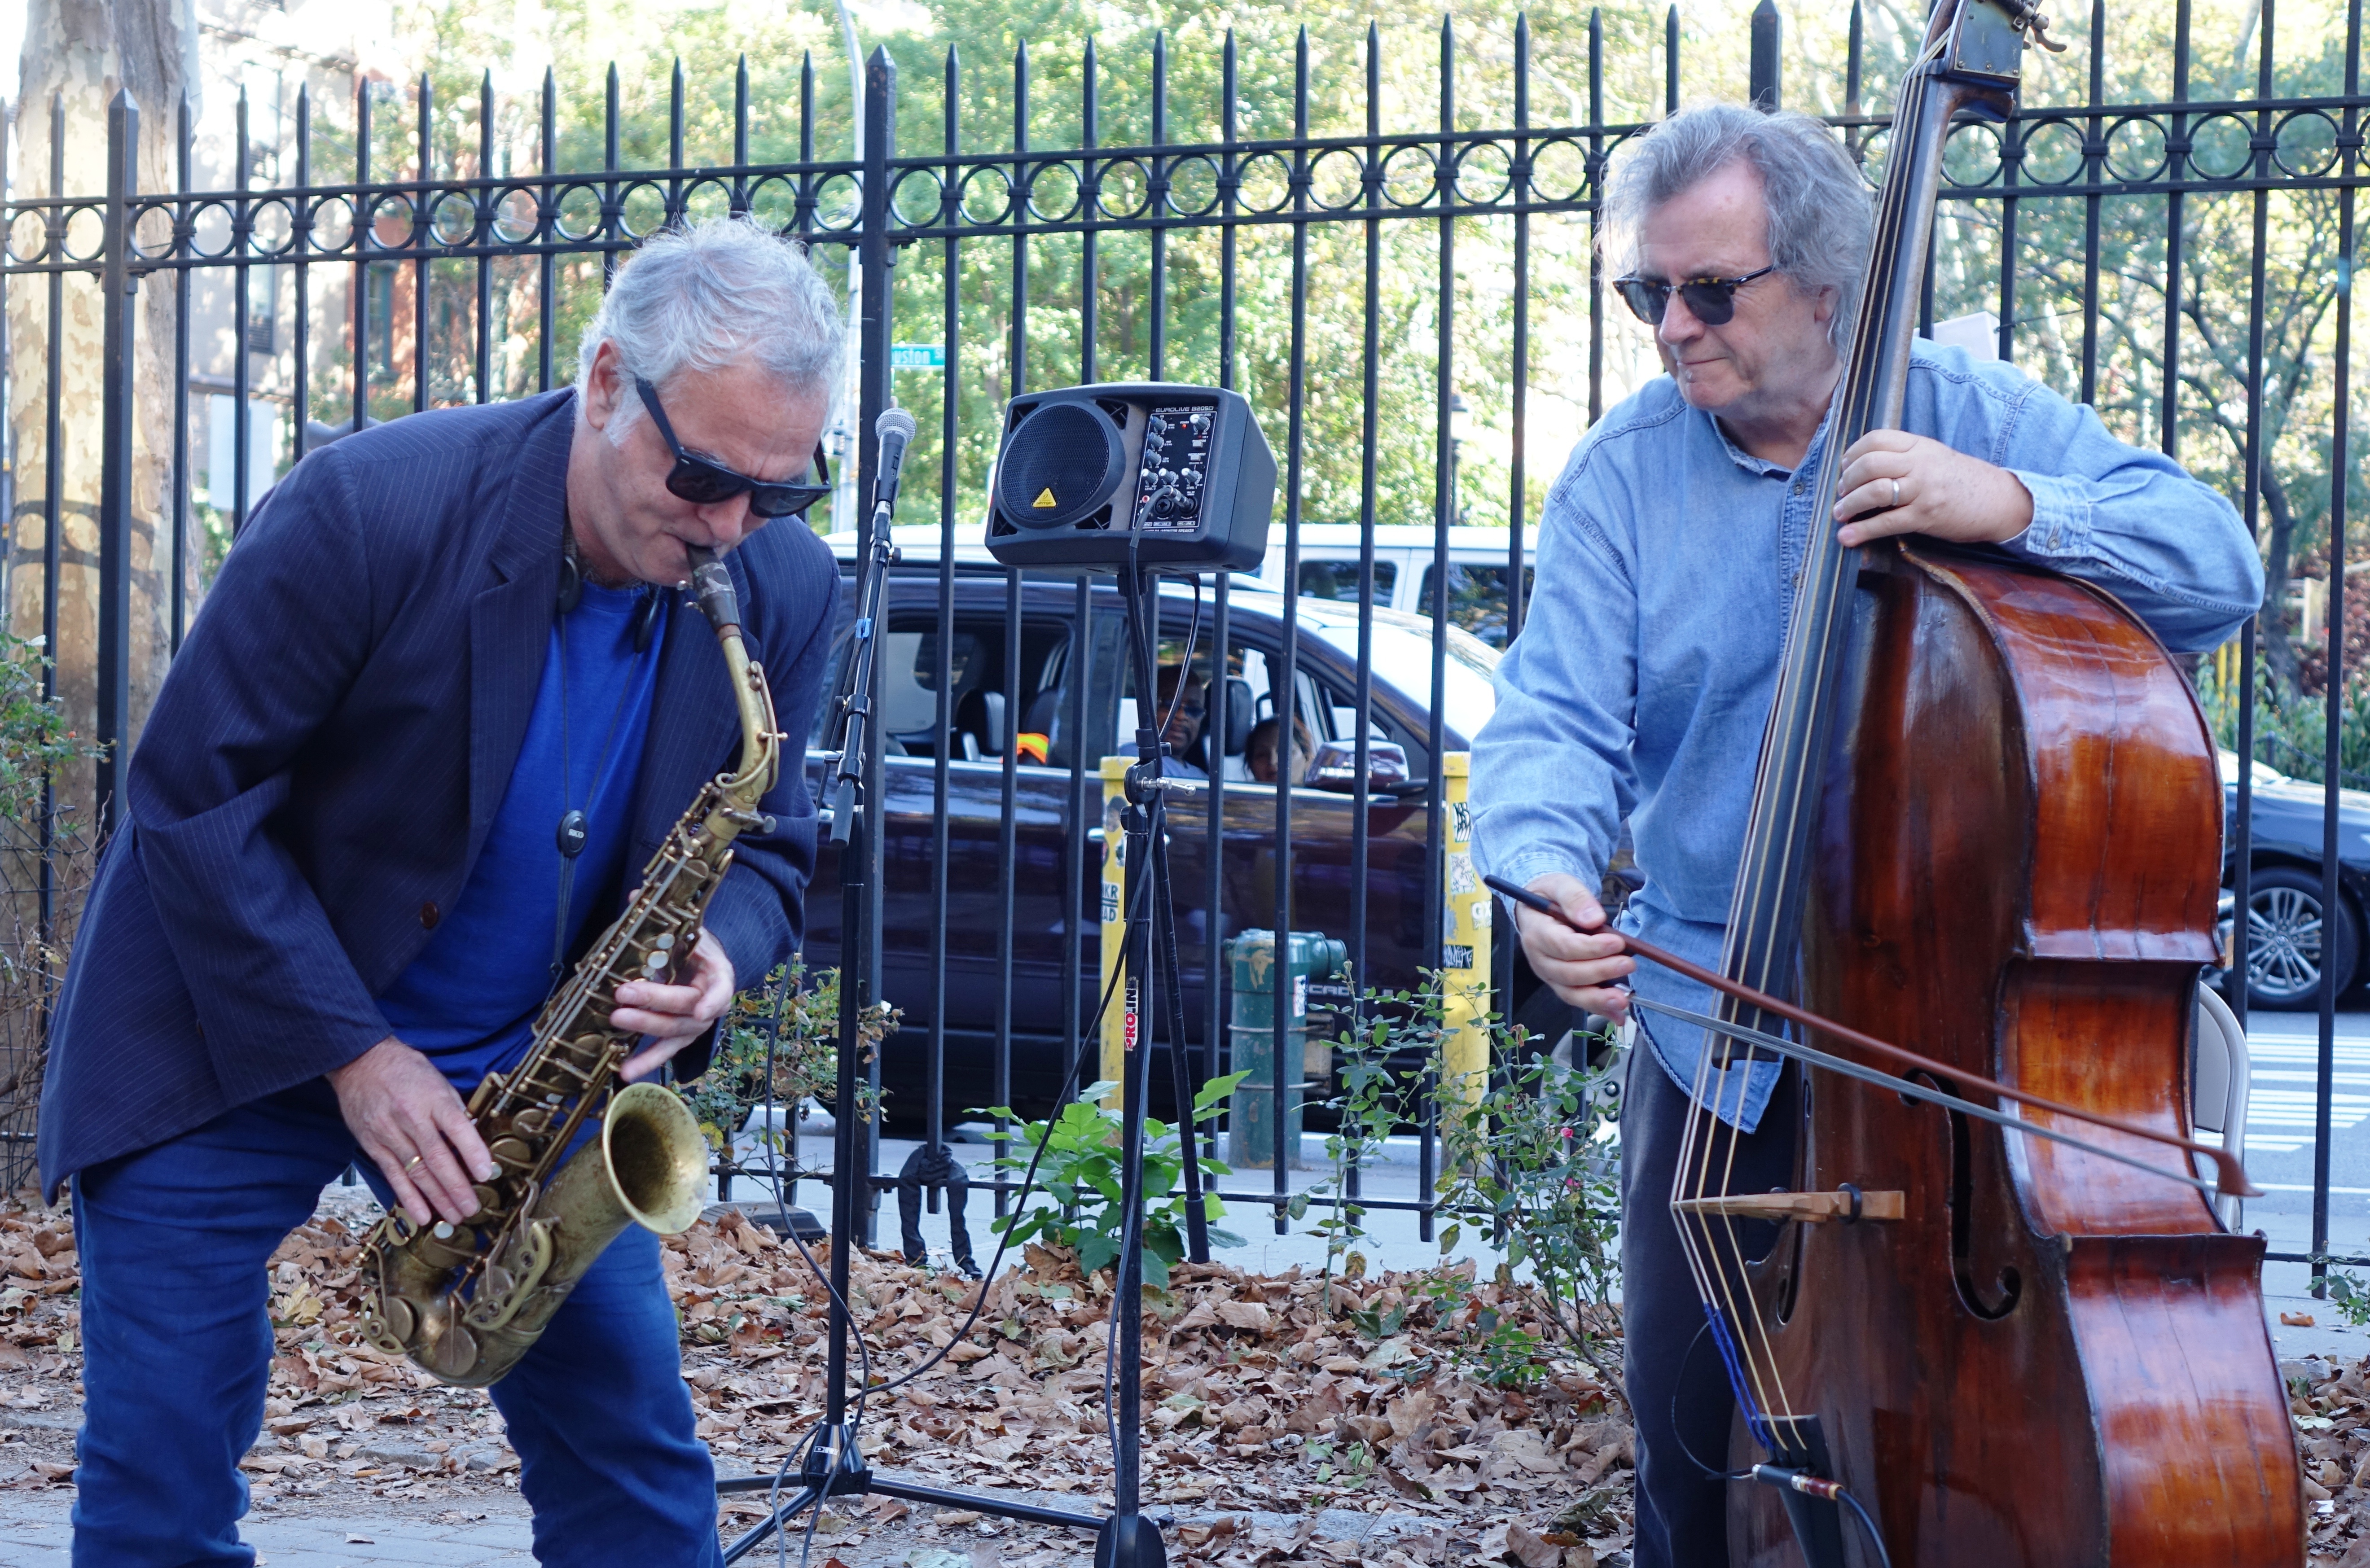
[712, 294]
[1819, 208]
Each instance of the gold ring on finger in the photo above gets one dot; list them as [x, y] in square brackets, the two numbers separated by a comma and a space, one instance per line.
[414, 1163]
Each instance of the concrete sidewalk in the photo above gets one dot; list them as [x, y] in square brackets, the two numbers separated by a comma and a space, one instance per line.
[34, 1533]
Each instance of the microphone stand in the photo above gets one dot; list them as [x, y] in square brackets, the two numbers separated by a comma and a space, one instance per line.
[834, 1465]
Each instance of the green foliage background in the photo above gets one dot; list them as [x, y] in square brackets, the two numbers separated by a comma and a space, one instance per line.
[956, 87]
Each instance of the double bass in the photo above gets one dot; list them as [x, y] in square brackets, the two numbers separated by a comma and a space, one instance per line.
[1985, 828]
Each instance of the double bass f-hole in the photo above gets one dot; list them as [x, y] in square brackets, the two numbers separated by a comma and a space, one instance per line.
[1998, 1299]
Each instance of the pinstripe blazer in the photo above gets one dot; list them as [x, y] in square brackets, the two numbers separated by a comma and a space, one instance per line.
[329, 751]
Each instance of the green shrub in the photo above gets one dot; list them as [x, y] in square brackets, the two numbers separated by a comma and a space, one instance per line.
[789, 1029]
[2292, 729]
[34, 740]
[1080, 1170]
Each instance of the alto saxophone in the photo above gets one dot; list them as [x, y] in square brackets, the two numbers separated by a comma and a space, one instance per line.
[466, 1302]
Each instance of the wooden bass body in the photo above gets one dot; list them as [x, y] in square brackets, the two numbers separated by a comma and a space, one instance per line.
[2050, 1358]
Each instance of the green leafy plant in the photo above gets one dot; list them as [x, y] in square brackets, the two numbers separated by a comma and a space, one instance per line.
[1080, 1172]
[2348, 1293]
[1372, 1104]
[34, 740]
[35, 746]
[1523, 1154]
[788, 1029]
[1526, 1157]
[2292, 728]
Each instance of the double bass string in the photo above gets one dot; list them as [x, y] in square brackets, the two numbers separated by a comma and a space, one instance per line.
[1782, 791]
[1909, 1088]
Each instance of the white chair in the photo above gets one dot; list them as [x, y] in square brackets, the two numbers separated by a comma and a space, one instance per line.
[2217, 1085]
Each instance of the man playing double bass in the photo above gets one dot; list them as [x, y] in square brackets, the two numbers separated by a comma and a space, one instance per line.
[1668, 554]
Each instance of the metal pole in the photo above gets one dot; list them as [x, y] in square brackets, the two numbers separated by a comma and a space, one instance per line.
[119, 286]
[2341, 465]
[846, 501]
[880, 138]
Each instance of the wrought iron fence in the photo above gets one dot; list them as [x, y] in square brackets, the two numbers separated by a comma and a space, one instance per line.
[2164, 238]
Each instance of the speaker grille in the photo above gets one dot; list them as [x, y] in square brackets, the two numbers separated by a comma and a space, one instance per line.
[1059, 465]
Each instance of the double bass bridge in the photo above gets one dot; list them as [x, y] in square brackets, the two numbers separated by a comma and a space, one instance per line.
[1847, 1204]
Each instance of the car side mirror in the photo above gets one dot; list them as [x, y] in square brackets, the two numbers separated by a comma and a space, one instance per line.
[1335, 767]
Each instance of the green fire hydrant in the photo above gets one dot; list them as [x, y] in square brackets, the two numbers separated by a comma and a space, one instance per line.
[1250, 1124]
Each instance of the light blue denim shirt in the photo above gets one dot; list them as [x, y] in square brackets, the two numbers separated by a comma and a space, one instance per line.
[1648, 662]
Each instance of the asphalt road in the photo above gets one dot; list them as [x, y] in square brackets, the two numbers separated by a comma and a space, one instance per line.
[2284, 1050]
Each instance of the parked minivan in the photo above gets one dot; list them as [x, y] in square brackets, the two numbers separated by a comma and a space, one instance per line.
[1404, 559]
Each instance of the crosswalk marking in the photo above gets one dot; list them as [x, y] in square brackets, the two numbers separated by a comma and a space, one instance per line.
[2283, 1106]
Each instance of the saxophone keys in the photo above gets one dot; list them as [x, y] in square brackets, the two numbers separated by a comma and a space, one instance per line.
[390, 1327]
[486, 1198]
[492, 1304]
[451, 1354]
[513, 1152]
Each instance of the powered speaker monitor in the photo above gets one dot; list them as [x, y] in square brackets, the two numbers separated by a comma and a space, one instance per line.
[1174, 478]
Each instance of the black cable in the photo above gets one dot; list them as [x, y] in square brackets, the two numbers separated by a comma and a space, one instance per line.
[1130, 1225]
[1678, 1436]
[1028, 1184]
[798, 1453]
[1185, 669]
[1883, 1558]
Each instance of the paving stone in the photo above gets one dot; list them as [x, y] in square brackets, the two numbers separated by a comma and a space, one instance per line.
[35, 1534]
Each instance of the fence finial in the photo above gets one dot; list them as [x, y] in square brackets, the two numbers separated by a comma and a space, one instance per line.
[1767, 28]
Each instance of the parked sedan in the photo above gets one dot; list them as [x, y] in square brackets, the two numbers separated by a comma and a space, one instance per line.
[2290, 934]
[1075, 700]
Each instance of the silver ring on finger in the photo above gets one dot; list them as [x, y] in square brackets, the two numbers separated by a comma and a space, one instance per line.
[1896, 492]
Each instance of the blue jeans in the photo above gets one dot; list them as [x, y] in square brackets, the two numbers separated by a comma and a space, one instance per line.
[178, 1349]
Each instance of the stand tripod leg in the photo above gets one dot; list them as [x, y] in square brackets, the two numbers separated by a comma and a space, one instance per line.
[779, 1519]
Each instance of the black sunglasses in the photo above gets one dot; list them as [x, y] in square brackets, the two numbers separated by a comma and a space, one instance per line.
[1713, 300]
[702, 481]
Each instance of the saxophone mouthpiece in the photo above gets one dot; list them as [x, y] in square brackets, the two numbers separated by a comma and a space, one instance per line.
[712, 585]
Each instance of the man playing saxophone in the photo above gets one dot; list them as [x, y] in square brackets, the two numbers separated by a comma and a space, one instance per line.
[444, 701]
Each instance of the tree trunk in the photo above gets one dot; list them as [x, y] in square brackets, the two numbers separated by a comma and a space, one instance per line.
[79, 53]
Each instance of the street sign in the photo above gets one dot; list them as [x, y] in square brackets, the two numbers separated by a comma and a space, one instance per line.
[917, 356]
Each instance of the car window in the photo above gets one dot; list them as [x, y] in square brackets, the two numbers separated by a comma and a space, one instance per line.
[1249, 707]
[979, 710]
[1339, 579]
[1477, 598]
[1342, 713]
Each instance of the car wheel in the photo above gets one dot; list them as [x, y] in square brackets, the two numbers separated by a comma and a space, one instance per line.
[2287, 936]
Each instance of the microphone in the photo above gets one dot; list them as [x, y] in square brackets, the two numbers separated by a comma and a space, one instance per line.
[895, 427]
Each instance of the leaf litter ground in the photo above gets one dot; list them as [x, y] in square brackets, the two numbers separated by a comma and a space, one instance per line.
[1280, 1428]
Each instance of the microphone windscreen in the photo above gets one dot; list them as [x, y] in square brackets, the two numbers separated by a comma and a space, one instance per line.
[894, 422]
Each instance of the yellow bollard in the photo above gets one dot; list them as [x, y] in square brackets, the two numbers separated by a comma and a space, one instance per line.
[1465, 941]
[1119, 1014]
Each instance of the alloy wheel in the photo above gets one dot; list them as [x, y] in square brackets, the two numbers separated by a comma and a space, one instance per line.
[2283, 928]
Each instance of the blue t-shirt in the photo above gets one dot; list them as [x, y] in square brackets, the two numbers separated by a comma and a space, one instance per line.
[470, 999]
